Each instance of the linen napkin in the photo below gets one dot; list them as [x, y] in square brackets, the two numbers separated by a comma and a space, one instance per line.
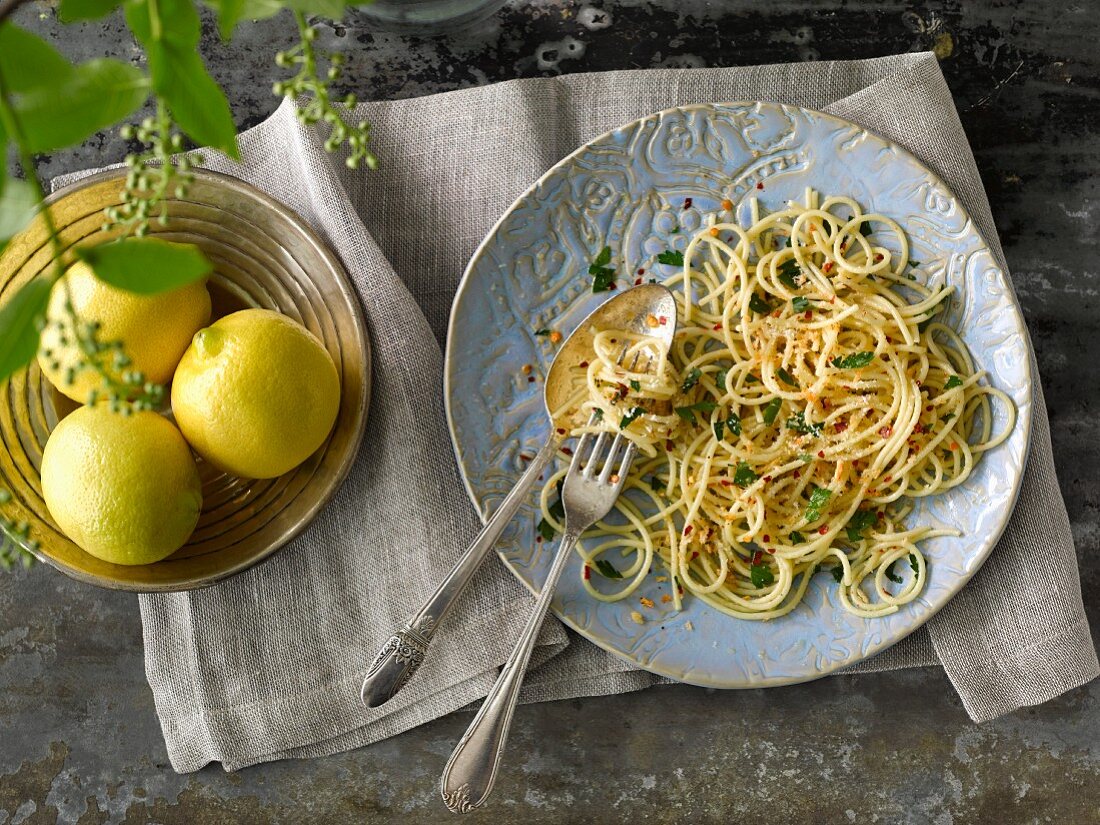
[268, 664]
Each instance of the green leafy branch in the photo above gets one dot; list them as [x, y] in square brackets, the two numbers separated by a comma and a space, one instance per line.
[48, 104]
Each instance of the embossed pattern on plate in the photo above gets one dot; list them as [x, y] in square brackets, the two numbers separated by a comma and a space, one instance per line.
[626, 189]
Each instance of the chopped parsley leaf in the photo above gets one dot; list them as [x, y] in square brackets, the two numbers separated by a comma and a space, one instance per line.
[654, 483]
[797, 538]
[865, 229]
[860, 521]
[761, 575]
[691, 379]
[671, 257]
[607, 569]
[786, 377]
[688, 413]
[602, 275]
[838, 573]
[543, 331]
[598, 413]
[758, 304]
[557, 509]
[744, 476]
[798, 423]
[805, 457]
[788, 270]
[718, 427]
[635, 385]
[952, 382]
[545, 530]
[914, 264]
[751, 379]
[772, 410]
[629, 417]
[913, 563]
[818, 499]
[720, 378]
[799, 304]
[891, 575]
[854, 361]
[733, 423]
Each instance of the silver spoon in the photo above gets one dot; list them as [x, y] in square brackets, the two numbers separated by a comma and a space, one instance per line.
[636, 310]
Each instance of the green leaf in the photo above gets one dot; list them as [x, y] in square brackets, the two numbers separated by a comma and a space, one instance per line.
[635, 385]
[543, 331]
[860, 521]
[97, 94]
[743, 476]
[557, 509]
[671, 257]
[691, 379]
[28, 62]
[546, 530]
[759, 305]
[772, 410]
[146, 265]
[688, 413]
[169, 31]
[798, 423]
[788, 271]
[719, 426]
[17, 206]
[838, 573]
[598, 413]
[332, 9]
[603, 278]
[196, 102]
[891, 575]
[854, 361]
[865, 229]
[720, 378]
[733, 423]
[952, 382]
[913, 563]
[786, 378]
[761, 575]
[230, 13]
[603, 258]
[797, 538]
[819, 497]
[800, 304]
[630, 417]
[18, 320]
[607, 569]
[72, 11]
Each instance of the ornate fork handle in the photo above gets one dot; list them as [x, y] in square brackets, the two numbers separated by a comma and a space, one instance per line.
[406, 648]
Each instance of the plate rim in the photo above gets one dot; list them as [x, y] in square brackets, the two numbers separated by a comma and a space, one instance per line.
[1024, 417]
[347, 288]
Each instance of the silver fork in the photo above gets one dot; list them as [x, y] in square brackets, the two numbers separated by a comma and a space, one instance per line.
[590, 489]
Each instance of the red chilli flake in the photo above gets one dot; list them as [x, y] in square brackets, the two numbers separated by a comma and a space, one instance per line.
[612, 285]
[687, 203]
[538, 539]
[717, 327]
[820, 453]
[760, 185]
[918, 429]
[583, 365]
[669, 445]
[886, 432]
[587, 573]
[797, 474]
[809, 314]
[525, 457]
[840, 426]
[757, 557]
[767, 478]
[822, 530]
[771, 551]
[530, 379]
[726, 482]
[767, 537]
[663, 320]
[687, 530]
[567, 450]
[561, 430]
[641, 270]
[637, 281]
[828, 267]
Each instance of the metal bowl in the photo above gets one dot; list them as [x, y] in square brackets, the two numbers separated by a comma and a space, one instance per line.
[264, 256]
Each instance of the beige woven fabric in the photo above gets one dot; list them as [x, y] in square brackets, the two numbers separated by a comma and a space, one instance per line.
[268, 664]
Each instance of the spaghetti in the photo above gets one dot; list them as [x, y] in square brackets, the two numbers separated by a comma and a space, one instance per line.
[811, 394]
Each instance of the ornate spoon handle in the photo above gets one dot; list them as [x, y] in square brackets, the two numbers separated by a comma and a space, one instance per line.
[404, 651]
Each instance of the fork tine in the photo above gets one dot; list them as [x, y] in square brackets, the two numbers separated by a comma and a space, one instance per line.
[628, 457]
[594, 457]
[609, 463]
[582, 444]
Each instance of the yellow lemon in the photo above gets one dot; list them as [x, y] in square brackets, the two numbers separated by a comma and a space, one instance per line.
[256, 394]
[155, 329]
[123, 488]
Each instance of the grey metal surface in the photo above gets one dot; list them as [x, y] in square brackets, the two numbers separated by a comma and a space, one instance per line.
[79, 740]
